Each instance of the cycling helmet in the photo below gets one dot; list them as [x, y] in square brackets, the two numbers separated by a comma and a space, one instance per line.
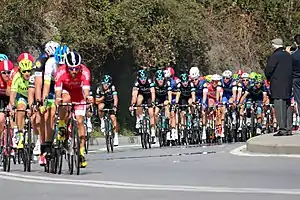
[25, 65]
[216, 77]
[252, 75]
[73, 59]
[239, 72]
[235, 76]
[245, 75]
[169, 72]
[25, 56]
[208, 78]
[3, 57]
[159, 75]
[142, 74]
[60, 54]
[107, 79]
[194, 72]
[259, 77]
[6, 65]
[184, 77]
[227, 74]
[50, 47]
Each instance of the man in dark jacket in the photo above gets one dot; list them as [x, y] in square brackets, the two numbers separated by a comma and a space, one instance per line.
[296, 71]
[279, 72]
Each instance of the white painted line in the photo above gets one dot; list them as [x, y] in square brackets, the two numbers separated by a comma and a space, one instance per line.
[239, 152]
[121, 185]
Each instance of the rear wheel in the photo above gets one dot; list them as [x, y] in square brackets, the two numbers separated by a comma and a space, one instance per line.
[76, 147]
[29, 148]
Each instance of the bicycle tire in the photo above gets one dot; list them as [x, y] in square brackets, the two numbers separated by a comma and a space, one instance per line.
[29, 148]
[76, 146]
[8, 147]
[86, 142]
[71, 163]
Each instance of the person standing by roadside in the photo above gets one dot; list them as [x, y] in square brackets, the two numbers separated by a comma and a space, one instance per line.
[296, 71]
[279, 72]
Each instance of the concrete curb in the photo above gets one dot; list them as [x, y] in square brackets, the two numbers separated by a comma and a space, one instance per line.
[123, 140]
[269, 144]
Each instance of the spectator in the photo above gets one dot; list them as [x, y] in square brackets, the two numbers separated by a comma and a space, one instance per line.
[279, 72]
[296, 71]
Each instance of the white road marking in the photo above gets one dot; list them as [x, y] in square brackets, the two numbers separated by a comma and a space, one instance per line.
[239, 152]
[132, 186]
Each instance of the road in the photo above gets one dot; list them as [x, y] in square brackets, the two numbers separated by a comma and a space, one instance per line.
[168, 173]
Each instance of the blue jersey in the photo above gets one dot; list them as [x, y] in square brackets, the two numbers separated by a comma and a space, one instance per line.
[199, 89]
[227, 87]
[173, 83]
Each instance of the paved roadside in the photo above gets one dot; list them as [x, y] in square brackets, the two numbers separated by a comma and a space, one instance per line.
[270, 144]
[123, 140]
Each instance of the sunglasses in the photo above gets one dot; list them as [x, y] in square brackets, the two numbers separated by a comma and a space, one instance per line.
[5, 72]
[25, 71]
[73, 69]
[258, 83]
[245, 80]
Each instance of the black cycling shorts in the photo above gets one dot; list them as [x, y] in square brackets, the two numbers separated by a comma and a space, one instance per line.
[146, 99]
[161, 99]
[4, 101]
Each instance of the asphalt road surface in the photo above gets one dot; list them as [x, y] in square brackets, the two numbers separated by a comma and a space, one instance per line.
[167, 173]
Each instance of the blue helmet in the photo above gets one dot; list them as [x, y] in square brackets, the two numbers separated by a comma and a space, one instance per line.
[107, 80]
[159, 75]
[60, 54]
[3, 57]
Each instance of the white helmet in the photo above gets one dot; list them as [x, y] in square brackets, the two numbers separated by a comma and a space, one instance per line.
[245, 75]
[194, 72]
[167, 74]
[50, 47]
[216, 77]
[227, 74]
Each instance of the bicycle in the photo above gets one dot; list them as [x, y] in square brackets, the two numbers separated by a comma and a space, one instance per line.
[109, 131]
[73, 153]
[197, 124]
[186, 129]
[6, 142]
[249, 121]
[162, 126]
[26, 152]
[87, 135]
[144, 129]
[230, 122]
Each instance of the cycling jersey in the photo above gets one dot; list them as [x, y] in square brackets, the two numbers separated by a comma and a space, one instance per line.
[50, 69]
[144, 89]
[255, 93]
[74, 86]
[186, 92]
[173, 83]
[199, 89]
[39, 66]
[161, 92]
[13, 72]
[20, 85]
[228, 87]
[212, 91]
[108, 94]
[4, 99]
[244, 87]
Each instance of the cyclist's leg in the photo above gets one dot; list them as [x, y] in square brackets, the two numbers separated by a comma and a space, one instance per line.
[101, 114]
[20, 118]
[138, 111]
[63, 115]
[259, 116]
[115, 127]
[151, 115]
[167, 108]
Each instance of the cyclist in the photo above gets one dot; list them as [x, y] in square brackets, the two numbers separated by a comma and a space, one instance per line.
[19, 96]
[173, 97]
[200, 88]
[252, 76]
[5, 69]
[257, 93]
[107, 98]
[48, 108]
[72, 84]
[187, 97]
[213, 95]
[35, 94]
[161, 86]
[143, 92]
[243, 86]
[229, 94]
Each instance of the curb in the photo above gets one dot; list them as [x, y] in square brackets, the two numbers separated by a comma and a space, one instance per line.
[123, 140]
[269, 144]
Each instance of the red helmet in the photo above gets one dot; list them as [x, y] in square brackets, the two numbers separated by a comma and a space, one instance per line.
[169, 72]
[6, 65]
[239, 72]
[25, 56]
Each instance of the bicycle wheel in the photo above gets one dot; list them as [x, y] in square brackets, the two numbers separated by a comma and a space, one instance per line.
[111, 136]
[8, 148]
[29, 147]
[86, 143]
[70, 163]
[76, 146]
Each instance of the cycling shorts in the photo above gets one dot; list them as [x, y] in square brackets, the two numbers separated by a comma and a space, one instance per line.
[109, 105]
[77, 97]
[225, 99]
[4, 101]
[184, 100]
[51, 100]
[20, 99]
[146, 99]
[161, 99]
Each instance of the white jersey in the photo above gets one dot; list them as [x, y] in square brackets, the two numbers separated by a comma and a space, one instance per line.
[50, 69]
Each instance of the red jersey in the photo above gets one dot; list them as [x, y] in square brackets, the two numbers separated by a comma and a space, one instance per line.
[3, 87]
[12, 74]
[64, 80]
[212, 91]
